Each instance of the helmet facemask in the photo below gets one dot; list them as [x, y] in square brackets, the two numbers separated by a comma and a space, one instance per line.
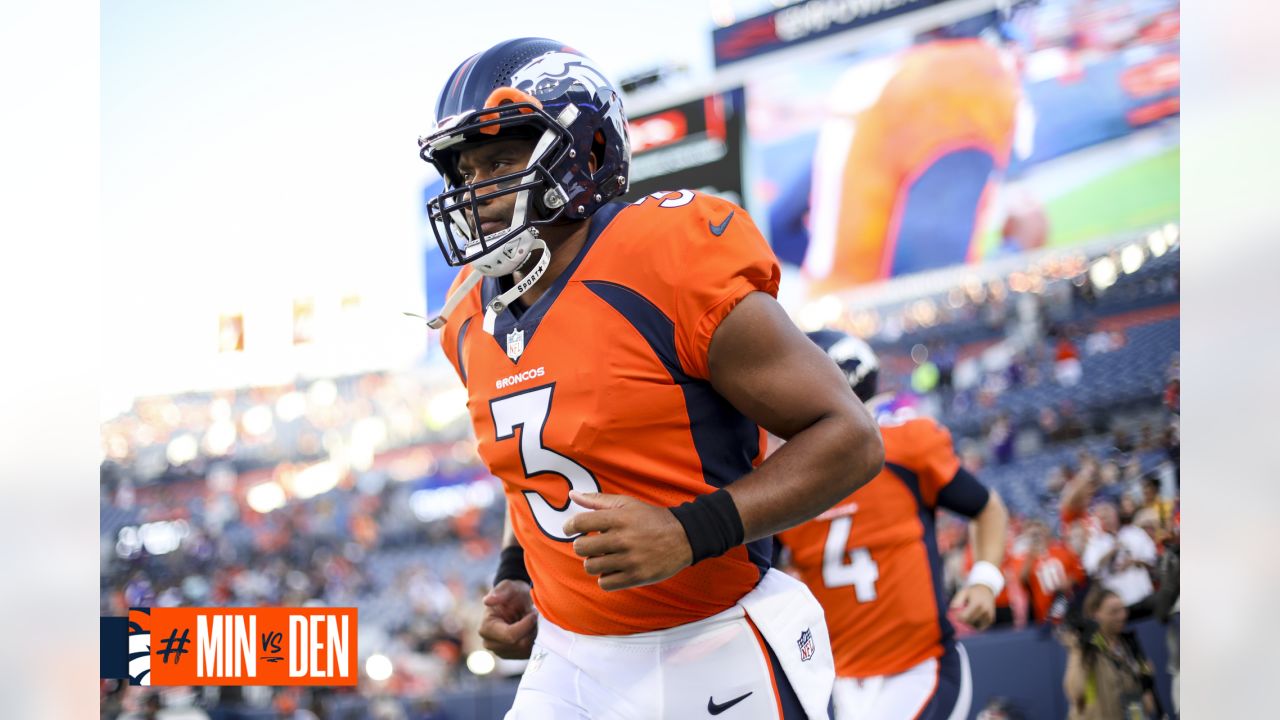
[580, 162]
[539, 201]
[539, 198]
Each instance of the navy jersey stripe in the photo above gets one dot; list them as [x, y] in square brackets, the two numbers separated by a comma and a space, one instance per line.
[529, 320]
[791, 707]
[927, 517]
[947, 692]
[725, 439]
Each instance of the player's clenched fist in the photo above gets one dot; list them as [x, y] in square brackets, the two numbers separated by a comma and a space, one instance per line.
[977, 606]
[510, 622]
[627, 542]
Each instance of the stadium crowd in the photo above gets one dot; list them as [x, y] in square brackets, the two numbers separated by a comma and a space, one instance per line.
[1061, 392]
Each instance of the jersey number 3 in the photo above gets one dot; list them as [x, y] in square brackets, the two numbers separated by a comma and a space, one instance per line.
[528, 410]
[858, 570]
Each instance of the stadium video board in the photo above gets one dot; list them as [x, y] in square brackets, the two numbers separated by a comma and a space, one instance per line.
[696, 145]
[1050, 126]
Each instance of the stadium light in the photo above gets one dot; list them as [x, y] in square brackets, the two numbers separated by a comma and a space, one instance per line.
[1131, 258]
[265, 497]
[163, 537]
[316, 479]
[1103, 273]
[220, 437]
[322, 393]
[257, 420]
[1156, 241]
[291, 406]
[481, 662]
[378, 667]
[182, 450]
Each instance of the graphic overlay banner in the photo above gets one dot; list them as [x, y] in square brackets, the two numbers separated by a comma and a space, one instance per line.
[232, 646]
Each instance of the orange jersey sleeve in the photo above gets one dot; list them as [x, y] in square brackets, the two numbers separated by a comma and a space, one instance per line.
[927, 450]
[722, 258]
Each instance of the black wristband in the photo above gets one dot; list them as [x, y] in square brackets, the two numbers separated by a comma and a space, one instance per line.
[511, 566]
[712, 524]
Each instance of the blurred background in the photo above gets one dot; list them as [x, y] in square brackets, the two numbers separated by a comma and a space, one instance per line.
[986, 191]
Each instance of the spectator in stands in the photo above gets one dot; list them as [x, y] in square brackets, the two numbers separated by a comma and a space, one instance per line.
[1056, 479]
[1162, 507]
[1168, 608]
[1050, 425]
[1120, 558]
[1146, 520]
[1072, 426]
[1049, 569]
[1108, 676]
[1128, 507]
[1001, 709]
[1001, 439]
[1123, 441]
[1173, 448]
[1078, 493]
[946, 361]
[1066, 366]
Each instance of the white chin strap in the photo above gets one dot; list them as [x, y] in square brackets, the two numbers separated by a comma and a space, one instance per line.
[501, 302]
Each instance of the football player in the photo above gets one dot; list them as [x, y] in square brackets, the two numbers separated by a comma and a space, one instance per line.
[872, 561]
[620, 361]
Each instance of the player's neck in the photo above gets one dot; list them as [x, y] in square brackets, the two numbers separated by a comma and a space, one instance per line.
[564, 243]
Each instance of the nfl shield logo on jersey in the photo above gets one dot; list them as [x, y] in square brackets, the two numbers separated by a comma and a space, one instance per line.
[515, 344]
[806, 645]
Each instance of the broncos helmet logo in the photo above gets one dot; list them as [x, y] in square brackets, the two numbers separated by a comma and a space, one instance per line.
[139, 646]
[554, 74]
[546, 75]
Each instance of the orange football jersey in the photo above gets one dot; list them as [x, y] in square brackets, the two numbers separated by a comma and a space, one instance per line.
[601, 386]
[872, 560]
[1058, 570]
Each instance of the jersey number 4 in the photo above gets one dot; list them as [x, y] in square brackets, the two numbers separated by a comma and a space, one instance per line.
[854, 567]
[528, 410]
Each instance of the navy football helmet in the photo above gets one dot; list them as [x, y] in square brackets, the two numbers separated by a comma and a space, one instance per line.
[855, 357]
[545, 91]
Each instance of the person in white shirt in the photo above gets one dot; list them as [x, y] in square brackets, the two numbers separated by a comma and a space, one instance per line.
[1120, 558]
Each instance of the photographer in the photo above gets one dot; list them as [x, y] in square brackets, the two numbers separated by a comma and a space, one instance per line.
[1108, 676]
[1167, 605]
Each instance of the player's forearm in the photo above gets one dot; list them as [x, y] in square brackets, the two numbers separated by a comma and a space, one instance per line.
[814, 470]
[990, 529]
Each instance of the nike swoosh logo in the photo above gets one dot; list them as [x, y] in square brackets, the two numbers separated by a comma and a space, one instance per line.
[712, 707]
[718, 230]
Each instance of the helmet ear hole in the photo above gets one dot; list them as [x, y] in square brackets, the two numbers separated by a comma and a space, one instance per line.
[597, 151]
